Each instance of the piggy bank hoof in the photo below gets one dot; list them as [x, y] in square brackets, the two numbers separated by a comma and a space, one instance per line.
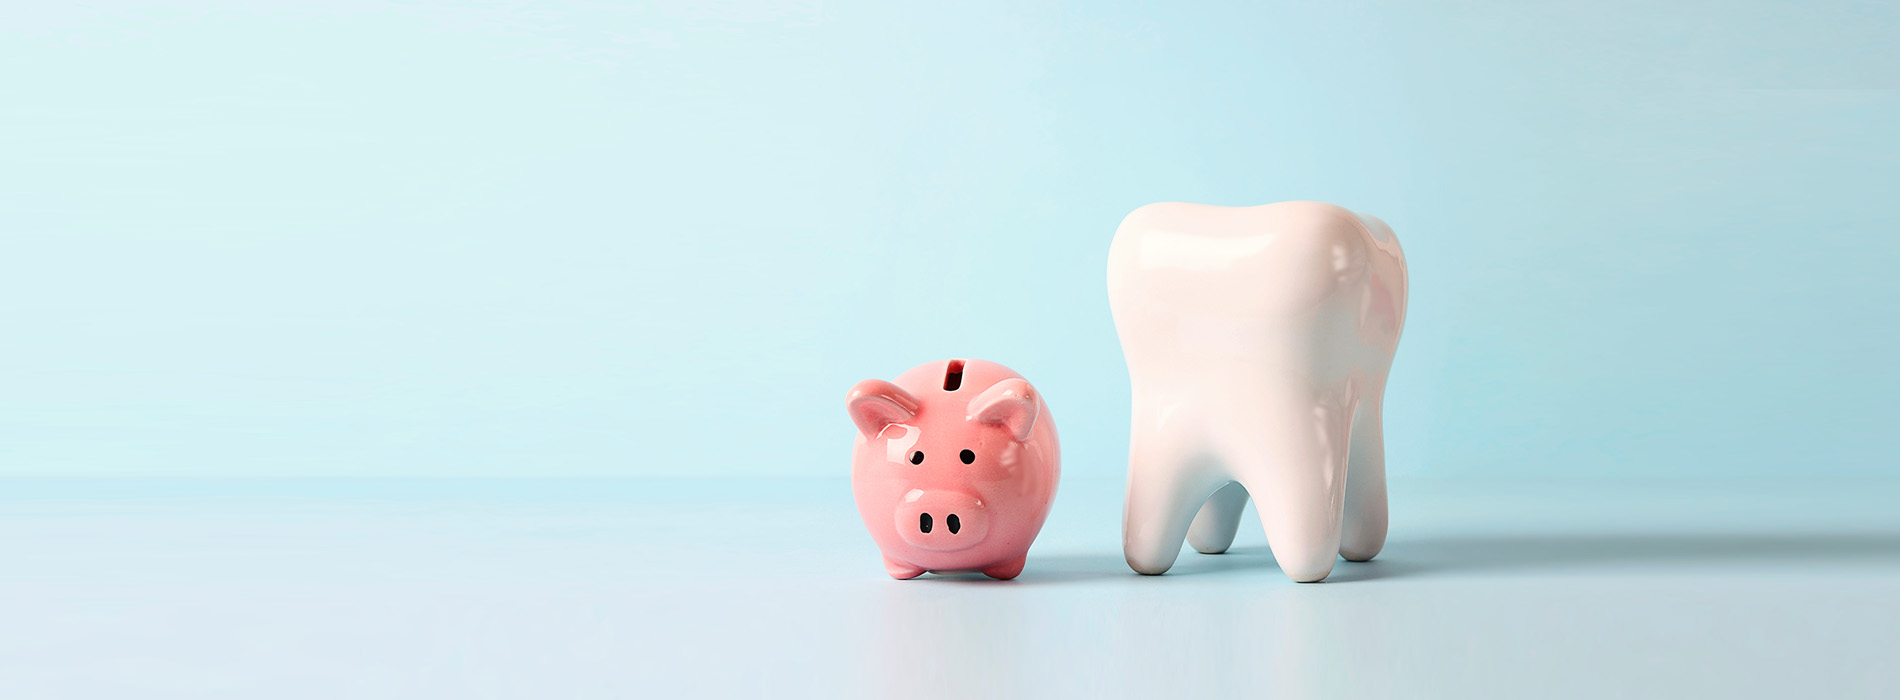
[902, 571]
[1007, 571]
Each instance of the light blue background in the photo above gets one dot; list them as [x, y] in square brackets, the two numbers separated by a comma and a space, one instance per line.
[281, 239]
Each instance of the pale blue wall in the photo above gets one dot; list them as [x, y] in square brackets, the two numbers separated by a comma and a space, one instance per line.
[612, 238]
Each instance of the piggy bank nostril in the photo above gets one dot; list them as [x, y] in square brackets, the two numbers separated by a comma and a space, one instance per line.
[923, 523]
[954, 524]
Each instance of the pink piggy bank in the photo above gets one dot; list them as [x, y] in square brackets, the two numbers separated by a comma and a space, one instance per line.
[955, 467]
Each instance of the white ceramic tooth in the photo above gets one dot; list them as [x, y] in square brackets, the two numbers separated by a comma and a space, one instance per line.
[1257, 341]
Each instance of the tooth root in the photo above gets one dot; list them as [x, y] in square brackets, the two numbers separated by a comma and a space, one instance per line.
[1165, 488]
[1363, 532]
[1214, 527]
[1295, 469]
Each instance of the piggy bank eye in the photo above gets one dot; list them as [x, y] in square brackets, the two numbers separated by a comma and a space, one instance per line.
[967, 456]
[917, 457]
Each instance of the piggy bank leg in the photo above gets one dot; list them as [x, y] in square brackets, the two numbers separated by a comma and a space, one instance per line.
[1363, 533]
[900, 570]
[1214, 527]
[1007, 570]
[1296, 474]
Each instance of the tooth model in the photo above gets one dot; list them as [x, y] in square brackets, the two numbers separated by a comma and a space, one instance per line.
[1257, 341]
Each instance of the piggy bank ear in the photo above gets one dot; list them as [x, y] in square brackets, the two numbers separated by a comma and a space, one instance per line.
[1012, 404]
[875, 403]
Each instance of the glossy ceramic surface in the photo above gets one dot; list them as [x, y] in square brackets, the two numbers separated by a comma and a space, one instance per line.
[955, 467]
[1258, 341]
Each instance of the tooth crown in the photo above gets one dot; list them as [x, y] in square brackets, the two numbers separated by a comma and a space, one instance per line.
[909, 473]
[1258, 341]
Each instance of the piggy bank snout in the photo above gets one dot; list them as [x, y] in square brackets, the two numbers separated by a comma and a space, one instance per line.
[942, 521]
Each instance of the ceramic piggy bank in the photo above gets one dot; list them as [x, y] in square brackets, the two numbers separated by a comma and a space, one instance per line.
[955, 467]
[1257, 340]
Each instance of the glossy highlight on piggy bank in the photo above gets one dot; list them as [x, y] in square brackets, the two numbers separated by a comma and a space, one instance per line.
[955, 467]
